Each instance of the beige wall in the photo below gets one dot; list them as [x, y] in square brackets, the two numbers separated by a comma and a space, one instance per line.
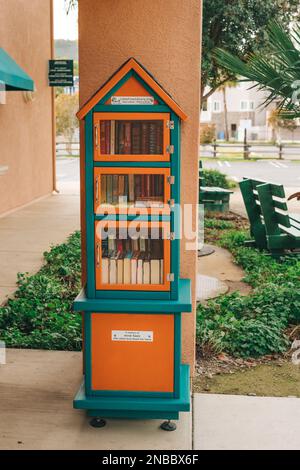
[164, 35]
[26, 129]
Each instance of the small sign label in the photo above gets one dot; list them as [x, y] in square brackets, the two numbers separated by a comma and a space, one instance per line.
[132, 100]
[61, 73]
[136, 336]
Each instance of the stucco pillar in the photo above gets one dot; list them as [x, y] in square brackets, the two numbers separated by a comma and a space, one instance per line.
[164, 35]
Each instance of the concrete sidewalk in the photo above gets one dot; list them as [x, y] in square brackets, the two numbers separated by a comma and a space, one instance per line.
[36, 395]
[233, 422]
[26, 233]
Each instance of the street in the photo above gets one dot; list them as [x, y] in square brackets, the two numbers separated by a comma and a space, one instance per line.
[286, 172]
[281, 172]
[67, 170]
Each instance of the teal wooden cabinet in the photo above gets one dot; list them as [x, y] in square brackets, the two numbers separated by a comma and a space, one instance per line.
[133, 299]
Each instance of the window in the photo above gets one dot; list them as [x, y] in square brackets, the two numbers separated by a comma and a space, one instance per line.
[204, 106]
[244, 105]
[247, 105]
[216, 106]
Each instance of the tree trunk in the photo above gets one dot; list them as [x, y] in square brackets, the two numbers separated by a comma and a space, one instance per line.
[225, 114]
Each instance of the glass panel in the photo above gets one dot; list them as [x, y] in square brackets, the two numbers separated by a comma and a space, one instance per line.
[133, 190]
[118, 137]
[135, 260]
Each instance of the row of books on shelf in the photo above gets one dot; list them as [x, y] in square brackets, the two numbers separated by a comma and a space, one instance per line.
[137, 261]
[131, 137]
[131, 268]
[123, 189]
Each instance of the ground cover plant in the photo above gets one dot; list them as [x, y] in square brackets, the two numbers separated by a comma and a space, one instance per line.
[259, 323]
[40, 314]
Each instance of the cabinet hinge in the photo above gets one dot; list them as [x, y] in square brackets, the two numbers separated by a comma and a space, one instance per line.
[170, 149]
[170, 125]
[171, 179]
[170, 277]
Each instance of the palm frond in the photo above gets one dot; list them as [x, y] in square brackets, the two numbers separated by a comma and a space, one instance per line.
[277, 72]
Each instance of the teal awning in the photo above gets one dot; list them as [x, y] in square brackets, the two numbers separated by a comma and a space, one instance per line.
[13, 77]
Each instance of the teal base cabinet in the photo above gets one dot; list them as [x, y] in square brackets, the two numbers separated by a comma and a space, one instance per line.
[137, 407]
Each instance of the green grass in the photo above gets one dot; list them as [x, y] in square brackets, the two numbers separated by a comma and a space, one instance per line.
[253, 325]
[40, 315]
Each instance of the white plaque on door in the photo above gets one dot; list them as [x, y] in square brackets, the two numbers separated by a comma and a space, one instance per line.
[138, 336]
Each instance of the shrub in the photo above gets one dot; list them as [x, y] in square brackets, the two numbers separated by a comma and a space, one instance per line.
[207, 133]
[40, 315]
[252, 325]
[215, 178]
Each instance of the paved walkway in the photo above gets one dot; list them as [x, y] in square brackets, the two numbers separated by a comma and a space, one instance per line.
[36, 394]
[227, 422]
[26, 233]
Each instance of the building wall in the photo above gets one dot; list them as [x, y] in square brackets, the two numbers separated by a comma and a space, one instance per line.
[260, 129]
[26, 128]
[164, 35]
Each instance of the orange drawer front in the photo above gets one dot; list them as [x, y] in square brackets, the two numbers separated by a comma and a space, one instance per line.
[132, 352]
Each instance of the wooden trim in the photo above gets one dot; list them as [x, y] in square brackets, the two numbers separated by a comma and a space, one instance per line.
[131, 65]
[164, 157]
[130, 209]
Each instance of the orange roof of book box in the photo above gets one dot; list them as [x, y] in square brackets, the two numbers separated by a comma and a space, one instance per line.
[131, 64]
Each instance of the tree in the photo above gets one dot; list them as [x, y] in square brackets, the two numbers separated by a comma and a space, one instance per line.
[277, 123]
[239, 27]
[229, 84]
[66, 120]
[276, 73]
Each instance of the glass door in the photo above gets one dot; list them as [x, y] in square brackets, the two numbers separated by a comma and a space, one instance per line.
[132, 191]
[131, 137]
[132, 255]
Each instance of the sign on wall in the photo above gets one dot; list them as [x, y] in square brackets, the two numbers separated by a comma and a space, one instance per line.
[61, 73]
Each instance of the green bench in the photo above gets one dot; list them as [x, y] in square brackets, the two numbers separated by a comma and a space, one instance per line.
[214, 199]
[271, 226]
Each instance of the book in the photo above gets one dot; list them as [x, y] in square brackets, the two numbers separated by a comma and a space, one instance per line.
[117, 150]
[135, 244]
[138, 185]
[107, 137]
[112, 137]
[127, 138]
[112, 244]
[102, 138]
[104, 270]
[155, 271]
[159, 138]
[162, 275]
[152, 138]
[131, 188]
[134, 262]
[136, 138]
[142, 244]
[120, 267]
[140, 263]
[121, 138]
[103, 189]
[144, 139]
[115, 190]
[146, 269]
[113, 267]
[109, 189]
[127, 268]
